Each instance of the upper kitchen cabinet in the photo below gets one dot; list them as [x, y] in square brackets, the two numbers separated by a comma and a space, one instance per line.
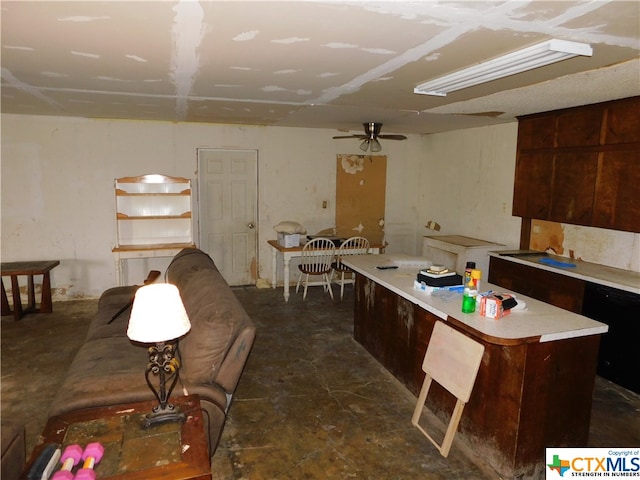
[532, 184]
[572, 187]
[616, 202]
[581, 166]
[579, 127]
[623, 122]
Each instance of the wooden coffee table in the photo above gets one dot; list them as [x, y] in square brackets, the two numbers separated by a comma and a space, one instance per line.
[164, 452]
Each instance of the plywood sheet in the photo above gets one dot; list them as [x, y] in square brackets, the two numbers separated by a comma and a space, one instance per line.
[361, 182]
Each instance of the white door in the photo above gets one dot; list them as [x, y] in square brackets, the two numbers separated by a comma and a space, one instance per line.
[227, 195]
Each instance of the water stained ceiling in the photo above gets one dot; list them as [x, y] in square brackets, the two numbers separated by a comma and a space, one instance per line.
[307, 64]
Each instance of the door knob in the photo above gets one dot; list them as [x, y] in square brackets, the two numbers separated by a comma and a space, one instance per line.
[251, 225]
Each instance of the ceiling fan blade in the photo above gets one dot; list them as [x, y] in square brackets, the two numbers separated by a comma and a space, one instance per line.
[392, 137]
[352, 136]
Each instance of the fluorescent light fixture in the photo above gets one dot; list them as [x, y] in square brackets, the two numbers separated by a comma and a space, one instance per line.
[539, 55]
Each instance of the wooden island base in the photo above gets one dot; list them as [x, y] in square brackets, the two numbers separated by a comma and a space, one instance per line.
[528, 394]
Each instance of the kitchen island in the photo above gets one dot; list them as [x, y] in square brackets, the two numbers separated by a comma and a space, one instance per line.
[535, 383]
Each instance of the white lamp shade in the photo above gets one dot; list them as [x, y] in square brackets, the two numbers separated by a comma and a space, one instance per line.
[158, 314]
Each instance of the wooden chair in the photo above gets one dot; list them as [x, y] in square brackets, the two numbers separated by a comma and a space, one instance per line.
[452, 360]
[317, 255]
[351, 246]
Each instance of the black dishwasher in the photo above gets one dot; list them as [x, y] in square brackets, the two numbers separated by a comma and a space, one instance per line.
[619, 359]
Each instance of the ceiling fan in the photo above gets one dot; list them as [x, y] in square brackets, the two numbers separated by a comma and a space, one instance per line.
[371, 136]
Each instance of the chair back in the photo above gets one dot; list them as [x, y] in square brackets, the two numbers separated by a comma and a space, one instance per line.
[317, 255]
[351, 246]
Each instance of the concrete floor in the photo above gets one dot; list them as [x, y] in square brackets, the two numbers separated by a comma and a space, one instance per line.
[312, 403]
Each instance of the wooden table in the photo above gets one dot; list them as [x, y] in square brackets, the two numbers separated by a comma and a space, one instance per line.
[15, 269]
[292, 252]
[170, 451]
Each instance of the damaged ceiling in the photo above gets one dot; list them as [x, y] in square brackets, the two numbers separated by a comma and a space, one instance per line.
[307, 64]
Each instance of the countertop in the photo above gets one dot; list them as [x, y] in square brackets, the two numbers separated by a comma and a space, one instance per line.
[461, 241]
[591, 272]
[539, 322]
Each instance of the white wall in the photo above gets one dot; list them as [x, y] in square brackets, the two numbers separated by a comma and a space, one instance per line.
[467, 183]
[467, 188]
[58, 200]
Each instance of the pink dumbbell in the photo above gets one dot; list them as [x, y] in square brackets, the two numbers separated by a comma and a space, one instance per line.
[69, 459]
[91, 456]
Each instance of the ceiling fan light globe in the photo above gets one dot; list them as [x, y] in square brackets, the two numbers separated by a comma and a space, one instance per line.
[375, 145]
[364, 146]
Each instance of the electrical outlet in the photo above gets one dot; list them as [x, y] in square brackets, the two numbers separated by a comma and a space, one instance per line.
[324, 204]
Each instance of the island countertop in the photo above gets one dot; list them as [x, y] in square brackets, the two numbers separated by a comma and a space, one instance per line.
[539, 322]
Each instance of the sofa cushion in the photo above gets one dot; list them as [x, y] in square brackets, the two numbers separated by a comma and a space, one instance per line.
[105, 371]
[215, 314]
[111, 302]
[213, 329]
[110, 371]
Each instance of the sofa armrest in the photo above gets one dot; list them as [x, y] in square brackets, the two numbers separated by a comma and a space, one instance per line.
[235, 360]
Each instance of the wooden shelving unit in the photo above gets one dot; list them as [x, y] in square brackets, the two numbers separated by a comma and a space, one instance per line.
[153, 217]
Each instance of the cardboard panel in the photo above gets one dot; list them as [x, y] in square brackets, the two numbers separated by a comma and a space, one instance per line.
[361, 182]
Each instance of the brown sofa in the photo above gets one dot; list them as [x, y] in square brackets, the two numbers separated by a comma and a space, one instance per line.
[109, 369]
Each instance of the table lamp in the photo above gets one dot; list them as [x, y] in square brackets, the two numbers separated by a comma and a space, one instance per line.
[158, 317]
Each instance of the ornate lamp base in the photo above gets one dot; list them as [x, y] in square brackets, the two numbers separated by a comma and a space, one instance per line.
[159, 416]
[166, 366]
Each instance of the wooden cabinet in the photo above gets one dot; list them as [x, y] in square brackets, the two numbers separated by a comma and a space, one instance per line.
[393, 330]
[623, 122]
[535, 168]
[616, 198]
[618, 359]
[572, 187]
[553, 288]
[581, 166]
[153, 217]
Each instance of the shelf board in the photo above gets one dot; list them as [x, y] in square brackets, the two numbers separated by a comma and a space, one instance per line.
[152, 246]
[124, 216]
[124, 193]
[152, 178]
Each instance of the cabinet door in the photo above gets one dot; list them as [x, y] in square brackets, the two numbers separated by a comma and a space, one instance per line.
[573, 188]
[532, 185]
[623, 122]
[579, 127]
[617, 203]
[536, 132]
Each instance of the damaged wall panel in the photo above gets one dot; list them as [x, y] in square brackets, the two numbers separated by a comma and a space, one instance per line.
[361, 182]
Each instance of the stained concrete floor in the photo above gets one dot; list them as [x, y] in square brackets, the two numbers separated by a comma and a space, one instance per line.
[311, 404]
